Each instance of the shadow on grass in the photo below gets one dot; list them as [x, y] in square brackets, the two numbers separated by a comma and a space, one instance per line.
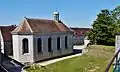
[75, 51]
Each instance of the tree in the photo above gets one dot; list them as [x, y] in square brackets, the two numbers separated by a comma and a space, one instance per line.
[103, 31]
[116, 16]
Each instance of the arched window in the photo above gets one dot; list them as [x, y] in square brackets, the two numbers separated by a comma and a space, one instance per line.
[49, 45]
[58, 43]
[66, 46]
[39, 45]
[25, 46]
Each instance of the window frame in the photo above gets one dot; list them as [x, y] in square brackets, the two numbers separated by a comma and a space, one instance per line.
[50, 44]
[25, 46]
[58, 43]
[66, 42]
[39, 45]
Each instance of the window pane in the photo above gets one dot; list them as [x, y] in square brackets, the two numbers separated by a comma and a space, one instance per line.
[58, 43]
[66, 42]
[39, 45]
[25, 46]
[49, 45]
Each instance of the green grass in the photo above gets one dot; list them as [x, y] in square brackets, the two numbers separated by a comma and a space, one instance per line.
[95, 60]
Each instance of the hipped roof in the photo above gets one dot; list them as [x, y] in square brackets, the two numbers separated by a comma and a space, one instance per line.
[32, 25]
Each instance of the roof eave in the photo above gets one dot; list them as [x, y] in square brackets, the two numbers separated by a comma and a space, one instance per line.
[21, 33]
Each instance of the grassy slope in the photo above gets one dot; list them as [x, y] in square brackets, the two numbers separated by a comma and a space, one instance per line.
[95, 60]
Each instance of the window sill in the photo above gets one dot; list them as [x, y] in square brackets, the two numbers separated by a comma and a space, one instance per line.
[66, 48]
[51, 52]
[26, 53]
[59, 49]
[40, 52]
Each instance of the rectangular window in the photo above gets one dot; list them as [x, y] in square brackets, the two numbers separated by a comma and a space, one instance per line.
[39, 45]
[66, 46]
[25, 46]
[49, 45]
[58, 43]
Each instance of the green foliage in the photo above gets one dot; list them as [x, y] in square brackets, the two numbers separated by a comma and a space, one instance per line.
[105, 27]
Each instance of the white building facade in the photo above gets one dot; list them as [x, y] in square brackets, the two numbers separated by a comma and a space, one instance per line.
[6, 39]
[79, 36]
[117, 44]
[39, 39]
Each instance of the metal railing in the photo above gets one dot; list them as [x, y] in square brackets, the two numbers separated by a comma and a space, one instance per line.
[3, 69]
[115, 60]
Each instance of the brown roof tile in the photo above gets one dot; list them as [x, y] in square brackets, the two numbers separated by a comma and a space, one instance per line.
[41, 26]
[6, 32]
[80, 31]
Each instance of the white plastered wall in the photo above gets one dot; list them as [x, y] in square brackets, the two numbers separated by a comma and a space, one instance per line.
[2, 42]
[17, 48]
[45, 54]
[33, 55]
[117, 44]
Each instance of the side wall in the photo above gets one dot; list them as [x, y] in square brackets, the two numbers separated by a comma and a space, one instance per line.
[5, 46]
[117, 44]
[45, 54]
[2, 42]
[79, 40]
[8, 49]
[18, 50]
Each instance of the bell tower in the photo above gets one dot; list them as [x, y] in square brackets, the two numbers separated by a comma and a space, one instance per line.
[56, 16]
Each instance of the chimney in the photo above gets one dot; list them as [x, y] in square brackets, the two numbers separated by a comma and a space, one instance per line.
[56, 16]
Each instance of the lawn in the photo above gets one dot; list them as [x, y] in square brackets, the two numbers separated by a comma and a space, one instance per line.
[95, 60]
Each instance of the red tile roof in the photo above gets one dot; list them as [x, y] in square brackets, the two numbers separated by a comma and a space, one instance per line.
[31, 25]
[6, 32]
[80, 31]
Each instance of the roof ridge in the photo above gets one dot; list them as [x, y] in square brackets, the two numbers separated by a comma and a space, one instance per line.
[28, 24]
[43, 26]
[40, 19]
[56, 22]
[8, 26]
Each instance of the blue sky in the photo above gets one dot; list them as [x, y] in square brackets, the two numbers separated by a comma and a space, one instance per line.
[75, 13]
